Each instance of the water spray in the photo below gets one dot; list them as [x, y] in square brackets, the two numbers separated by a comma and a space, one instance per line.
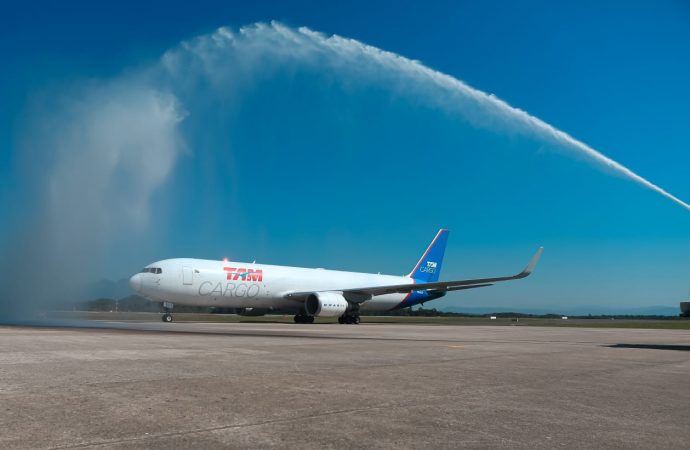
[316, 45]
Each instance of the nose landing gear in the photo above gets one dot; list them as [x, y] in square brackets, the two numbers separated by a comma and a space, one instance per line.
[167, 312]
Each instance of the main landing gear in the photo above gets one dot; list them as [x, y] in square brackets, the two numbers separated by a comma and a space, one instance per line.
[167, 312]
[349, 319]
[351, 316]
[303, 318]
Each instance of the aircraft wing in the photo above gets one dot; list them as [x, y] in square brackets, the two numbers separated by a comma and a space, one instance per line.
[366, 293]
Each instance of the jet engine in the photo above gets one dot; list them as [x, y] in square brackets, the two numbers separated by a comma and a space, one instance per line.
[326, 304]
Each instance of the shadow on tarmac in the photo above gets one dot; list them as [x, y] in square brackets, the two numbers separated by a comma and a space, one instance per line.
[682, 348]
[295, 331]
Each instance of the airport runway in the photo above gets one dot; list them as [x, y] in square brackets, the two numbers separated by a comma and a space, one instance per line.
[196, 385]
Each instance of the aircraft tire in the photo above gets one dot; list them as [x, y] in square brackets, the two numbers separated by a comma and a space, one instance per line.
[341, 320]
[355, 320]
[167, 318]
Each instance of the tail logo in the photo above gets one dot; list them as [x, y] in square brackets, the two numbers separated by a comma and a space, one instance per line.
[430, 267]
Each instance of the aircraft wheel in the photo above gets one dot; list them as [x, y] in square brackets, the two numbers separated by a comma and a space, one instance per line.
[355, 320]
[167, 318]
[298, 319]
[310, 319]
[341, 320]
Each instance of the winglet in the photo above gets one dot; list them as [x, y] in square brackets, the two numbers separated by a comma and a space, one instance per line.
[532, 264]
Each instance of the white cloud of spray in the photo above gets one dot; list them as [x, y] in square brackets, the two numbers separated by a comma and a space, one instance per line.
[111, 145]
[112, 149]
[107, 148]
[275, 45]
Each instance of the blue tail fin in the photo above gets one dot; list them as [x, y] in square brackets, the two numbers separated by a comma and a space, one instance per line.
[428, 268]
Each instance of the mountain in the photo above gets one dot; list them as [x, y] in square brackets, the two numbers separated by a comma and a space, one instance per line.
[106, 289]
[658, 310]
[109, 289]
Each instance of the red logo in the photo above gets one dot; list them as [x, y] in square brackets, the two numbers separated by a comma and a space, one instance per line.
[244, 274]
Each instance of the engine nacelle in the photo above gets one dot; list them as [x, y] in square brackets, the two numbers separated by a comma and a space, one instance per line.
[326, 304]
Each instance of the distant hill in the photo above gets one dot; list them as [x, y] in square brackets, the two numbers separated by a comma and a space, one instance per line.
[570, 311]
[106, 289]
[126, 304]
[109, 289]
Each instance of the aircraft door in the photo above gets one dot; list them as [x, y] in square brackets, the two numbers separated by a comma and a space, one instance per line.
[187, 275]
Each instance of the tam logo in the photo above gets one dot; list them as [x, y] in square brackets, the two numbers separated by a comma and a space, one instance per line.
[244, 274]
[430, 267]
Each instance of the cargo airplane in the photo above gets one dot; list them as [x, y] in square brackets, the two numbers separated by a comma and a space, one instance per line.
[257, 289]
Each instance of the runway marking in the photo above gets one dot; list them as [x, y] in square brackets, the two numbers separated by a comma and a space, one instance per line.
[456, 346]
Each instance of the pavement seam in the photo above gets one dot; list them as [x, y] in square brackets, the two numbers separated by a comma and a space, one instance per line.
[223, 427]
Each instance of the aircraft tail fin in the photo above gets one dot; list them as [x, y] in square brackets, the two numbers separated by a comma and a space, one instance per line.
[428, 268]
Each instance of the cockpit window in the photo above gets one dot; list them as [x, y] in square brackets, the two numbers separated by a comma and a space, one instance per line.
[157, 270]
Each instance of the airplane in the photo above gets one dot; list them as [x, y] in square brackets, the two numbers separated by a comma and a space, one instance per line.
[256, 289]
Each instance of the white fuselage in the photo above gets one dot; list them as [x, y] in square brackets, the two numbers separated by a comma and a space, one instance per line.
[227, 284]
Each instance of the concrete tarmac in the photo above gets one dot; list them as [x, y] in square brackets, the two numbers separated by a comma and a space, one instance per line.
[244, 385]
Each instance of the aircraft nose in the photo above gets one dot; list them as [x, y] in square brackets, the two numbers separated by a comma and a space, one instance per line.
[135, 282]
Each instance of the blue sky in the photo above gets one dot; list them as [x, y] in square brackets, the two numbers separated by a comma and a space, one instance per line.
[311, 166]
